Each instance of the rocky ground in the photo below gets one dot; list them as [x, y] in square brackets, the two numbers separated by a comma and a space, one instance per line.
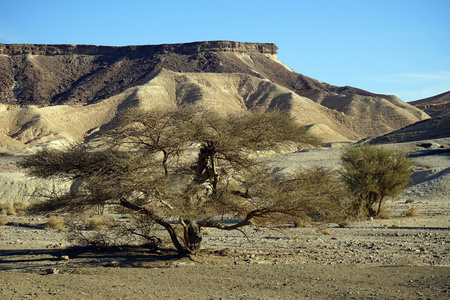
[397, 258]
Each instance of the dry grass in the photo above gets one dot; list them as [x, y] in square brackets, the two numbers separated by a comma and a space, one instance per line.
[299, 222]
[385, 214]
[4, 220]
[413, 212]
[100, 222]
[8, 208]
[11, 208]
[343, 224]
[56, 222]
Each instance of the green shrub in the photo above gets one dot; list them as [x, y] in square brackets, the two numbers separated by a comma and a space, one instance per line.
[373, 173]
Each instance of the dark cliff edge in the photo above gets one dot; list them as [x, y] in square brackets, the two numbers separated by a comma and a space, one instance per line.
[184, 48]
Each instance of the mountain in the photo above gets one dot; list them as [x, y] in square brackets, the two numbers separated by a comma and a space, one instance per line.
[434, 106]
[62, 93]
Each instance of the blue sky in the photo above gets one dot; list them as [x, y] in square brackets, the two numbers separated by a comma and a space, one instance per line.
[399, 47]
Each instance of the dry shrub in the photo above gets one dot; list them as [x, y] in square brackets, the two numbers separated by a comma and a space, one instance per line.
[343, 224]
[21, 208]
[385, 213]
[324, 230]
[300, 222]
[4, 220]
[413, 212]
[409, 201]
[56, 222]
[8, 208]
[100, 222]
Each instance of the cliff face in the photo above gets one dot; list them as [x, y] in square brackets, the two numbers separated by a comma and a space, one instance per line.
[68, 74]
[63, 74]
[184, 49]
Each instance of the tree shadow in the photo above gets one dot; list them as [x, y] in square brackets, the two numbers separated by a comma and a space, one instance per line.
[68, 259]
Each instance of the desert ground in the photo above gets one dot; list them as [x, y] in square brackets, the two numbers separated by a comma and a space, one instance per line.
[403, 257]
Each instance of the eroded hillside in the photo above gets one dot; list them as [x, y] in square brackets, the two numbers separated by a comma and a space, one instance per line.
[62, 93]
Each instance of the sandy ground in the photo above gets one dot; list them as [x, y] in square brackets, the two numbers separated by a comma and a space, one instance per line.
[398, 258]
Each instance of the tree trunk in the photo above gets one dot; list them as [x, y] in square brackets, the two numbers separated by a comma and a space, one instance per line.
[192, 236]
[372, 200]
[164, 162]
[379, 205]
[215, 178]
[170, 229]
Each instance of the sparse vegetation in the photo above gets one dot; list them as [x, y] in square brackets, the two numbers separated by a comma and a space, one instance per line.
[56, 222]
[11, 208]
[385, 213]
[146, 168]
[412, 212]
[4, 220]
[373, 173]
[343, 224]
[100, 222]
[8, 208]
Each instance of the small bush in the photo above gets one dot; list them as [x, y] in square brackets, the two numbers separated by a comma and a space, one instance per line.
[55, 222]
[8, 208]
[325, 231]
[413, 212]
[4, 220]
[343, 224]
[21, 206]
[409, 201]
[100, 222]
[385, 214]
[299, 222]
[11, 208]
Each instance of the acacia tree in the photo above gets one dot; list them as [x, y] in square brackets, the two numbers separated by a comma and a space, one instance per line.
[148, 167]
[373, 173]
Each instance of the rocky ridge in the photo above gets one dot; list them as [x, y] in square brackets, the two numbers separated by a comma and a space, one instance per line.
[434, 106]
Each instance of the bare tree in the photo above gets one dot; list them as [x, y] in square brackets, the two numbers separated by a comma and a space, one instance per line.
[147, 169]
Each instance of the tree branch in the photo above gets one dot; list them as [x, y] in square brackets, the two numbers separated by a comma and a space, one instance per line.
[170, 229]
